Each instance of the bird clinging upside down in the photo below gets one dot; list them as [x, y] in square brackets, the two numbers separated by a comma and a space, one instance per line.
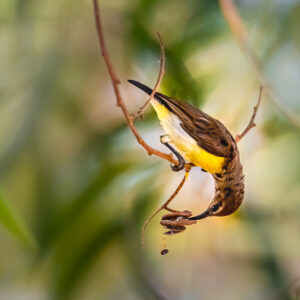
[205, 142]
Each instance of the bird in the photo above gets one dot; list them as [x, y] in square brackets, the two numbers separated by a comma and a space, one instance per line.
[203, 141]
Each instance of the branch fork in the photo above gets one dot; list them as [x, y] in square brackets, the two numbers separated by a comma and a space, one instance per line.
[175, 221]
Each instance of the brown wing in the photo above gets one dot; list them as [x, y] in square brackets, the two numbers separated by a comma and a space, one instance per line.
[210, 134]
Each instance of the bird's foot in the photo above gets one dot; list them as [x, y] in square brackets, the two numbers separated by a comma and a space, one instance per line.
[165, 140]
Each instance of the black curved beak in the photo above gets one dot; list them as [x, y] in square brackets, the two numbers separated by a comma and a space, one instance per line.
[201, 216]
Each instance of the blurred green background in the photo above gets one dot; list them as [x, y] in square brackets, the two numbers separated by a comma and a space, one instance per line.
[76, 187]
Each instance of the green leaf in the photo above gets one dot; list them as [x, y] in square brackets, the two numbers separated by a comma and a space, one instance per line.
[72, 272]
[11, 220]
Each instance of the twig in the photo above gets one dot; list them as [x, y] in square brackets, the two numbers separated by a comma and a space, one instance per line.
[120, 102]
[236, 25]
[159, 79]
[164, 206]
[129, 118]
[251, 122]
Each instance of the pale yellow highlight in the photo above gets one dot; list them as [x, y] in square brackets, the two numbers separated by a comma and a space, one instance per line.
[184, 143]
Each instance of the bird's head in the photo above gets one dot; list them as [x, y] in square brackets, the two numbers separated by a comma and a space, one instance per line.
[223, 204]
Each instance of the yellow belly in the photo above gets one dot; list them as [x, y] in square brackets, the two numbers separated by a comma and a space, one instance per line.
[184, 143]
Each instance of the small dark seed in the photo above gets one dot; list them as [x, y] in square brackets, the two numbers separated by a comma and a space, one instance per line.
[164, 251]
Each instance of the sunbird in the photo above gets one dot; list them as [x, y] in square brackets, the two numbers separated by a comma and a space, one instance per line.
[201, 140]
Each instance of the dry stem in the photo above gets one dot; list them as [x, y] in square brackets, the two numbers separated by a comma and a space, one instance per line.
[159, 79]
[251, 122]
[164, 206]
[115, 82]
[236, 25]
[129, 118]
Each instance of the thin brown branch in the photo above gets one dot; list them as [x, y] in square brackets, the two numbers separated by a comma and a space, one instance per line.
[115, 82]
[159, 79]
[251, 122]
[164, 206]
[237, 27]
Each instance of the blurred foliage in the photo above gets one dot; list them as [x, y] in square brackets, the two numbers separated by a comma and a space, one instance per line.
[10, 219]
[73, 174]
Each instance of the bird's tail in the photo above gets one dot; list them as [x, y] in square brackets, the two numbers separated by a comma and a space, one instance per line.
[161, 98]
[141, 86]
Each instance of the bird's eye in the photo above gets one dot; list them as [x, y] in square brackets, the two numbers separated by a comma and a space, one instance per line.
[215, 207]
